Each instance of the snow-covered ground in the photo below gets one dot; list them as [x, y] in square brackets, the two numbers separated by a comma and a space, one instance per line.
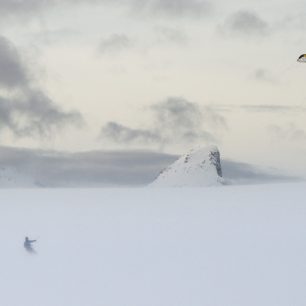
[218, 246]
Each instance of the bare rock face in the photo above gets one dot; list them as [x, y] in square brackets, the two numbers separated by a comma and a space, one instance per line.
[198, 168]
[214, 157]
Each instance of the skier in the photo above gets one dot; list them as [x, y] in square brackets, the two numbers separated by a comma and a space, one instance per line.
[28, 245]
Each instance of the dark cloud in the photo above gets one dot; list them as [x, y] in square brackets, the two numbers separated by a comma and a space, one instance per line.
[12, 70]
[30, 7]
[32, 113]
[88, 169]
[123, 134]
[115, 43]
[174, 121]
[246, 23]
[25, 111]
[176, 8]
[244, 173]
[109, 168]
[177, 113]
[10, 6]
[180, 119]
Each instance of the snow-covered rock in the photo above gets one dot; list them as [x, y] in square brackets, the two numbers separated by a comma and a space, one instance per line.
[198, 168]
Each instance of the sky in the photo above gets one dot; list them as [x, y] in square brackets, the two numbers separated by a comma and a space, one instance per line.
[162, 76]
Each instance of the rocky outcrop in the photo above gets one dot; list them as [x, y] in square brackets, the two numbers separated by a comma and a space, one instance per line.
[198, 168]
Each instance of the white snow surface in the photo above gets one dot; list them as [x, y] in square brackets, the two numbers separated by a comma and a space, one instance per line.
[195, 169]
[231, 246]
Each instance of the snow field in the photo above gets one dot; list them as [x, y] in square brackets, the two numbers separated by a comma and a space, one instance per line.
[219, 246]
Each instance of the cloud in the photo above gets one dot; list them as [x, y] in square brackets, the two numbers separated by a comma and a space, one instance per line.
[49, 37]
[25, 110]
[287, 132]
[263, 75]
[272, 108]
[174, 121]
[179, 118]
[187, 120]
[30, 7]
[32, 114]
[111, 168]
[244, 173]
[86, 169]
[174, 112]
[123, 134]
[265, 108]
[177, 8]
[17, 6]
[12, 70]
[168, 8]
[172, 35]
[115, 43]
[245, 23]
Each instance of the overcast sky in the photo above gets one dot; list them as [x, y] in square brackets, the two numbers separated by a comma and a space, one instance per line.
[160, 75]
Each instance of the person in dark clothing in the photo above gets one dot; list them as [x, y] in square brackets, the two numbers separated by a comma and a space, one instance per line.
[28, 245]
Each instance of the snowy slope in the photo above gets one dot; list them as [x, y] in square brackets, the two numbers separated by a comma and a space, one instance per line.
[231, 246]
[198, 168]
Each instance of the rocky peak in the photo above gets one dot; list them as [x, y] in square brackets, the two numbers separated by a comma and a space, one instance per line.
[200, 167]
